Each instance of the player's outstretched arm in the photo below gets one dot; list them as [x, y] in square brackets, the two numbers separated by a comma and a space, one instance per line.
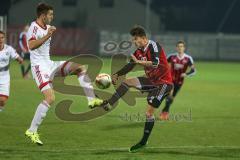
[123, 71]
[14, 55]
[33, 44]
[190, 73]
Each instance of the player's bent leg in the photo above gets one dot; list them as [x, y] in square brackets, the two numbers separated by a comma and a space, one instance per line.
[85, 83]
[149, 123]
[3, 100]
[120, 91]
[132, 82]
[40, 114]
[49, 96]
[155, 98]
[74, 68]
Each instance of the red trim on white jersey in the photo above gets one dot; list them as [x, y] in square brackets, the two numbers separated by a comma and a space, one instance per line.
[43, 27]
[32, 38]
[24, 42]
[62, 69]
[44, 84]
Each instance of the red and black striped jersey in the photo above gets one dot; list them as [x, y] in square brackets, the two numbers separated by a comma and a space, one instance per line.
[160, 72]
[179, 65]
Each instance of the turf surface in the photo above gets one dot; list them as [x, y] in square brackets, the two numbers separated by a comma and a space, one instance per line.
[204, 125]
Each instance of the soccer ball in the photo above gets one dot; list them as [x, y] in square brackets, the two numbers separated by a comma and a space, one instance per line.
[103, 81]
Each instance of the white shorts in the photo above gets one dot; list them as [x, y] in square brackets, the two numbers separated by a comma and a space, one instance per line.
[4, 90]
[45, 72]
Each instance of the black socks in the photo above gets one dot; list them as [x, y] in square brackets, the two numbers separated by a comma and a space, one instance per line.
[120, 91]
[147, 130]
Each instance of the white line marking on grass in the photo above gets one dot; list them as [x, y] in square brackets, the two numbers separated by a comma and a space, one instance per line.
[167, 147]
[125, 149]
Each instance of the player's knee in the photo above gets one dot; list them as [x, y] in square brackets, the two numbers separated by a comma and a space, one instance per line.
[79, 69]
[128, 82]
[50, 99]
[154, 102]
[3, 101]
[150, 111]
[149, 114]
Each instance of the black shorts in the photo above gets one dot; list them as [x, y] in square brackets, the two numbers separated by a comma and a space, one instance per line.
[176, 88]
[156, 93]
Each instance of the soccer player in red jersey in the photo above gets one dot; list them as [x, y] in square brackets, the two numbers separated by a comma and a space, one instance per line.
[24, 52]
[158, 81]
[179, 62]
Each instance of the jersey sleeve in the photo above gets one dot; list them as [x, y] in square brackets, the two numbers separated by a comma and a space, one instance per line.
[32, 33]
[155, 50]
[137, 54]
[23, 41]
[13, 53]
[190, 62]
[127, 68]
[169, 57]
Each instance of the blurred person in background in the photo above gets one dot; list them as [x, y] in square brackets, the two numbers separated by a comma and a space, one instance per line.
[24, 52]
[182, 65]
[7, 53]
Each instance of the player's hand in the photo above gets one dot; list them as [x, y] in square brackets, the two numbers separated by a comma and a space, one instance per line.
[114, 79]
[20, 60]
[135, 59]
[51, 30]
[24, 50]
[183, 75]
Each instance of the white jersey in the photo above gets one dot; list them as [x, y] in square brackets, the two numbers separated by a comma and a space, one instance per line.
[6, 55]
[41, 54]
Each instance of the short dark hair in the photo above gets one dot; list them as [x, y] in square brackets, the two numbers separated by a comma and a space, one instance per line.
[181, 42]
[43, 8]
[138, 31]
[1, 32]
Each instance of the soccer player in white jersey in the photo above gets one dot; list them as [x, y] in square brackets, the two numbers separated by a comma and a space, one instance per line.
[6, 54]
[39, 38]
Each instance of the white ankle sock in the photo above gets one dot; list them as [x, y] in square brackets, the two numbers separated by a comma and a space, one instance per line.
[39, 115]
[85, 82]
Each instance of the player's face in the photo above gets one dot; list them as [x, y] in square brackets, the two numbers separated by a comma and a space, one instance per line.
[139, 41]
[48, 17]
[2, 40]
[180, 48]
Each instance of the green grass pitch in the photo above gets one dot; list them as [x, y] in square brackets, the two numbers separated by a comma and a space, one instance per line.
[213, 132]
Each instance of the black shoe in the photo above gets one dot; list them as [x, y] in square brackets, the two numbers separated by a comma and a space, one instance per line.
[106, 106]
[137, 147]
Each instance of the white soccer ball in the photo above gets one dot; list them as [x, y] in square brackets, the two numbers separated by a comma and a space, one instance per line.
[103, 81]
